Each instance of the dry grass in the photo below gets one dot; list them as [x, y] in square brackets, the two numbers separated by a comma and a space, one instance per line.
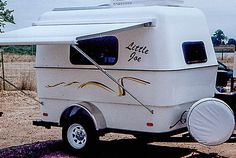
[26, 81]
[22, 78]
[11, 57]
[228, 59]
[19, 70]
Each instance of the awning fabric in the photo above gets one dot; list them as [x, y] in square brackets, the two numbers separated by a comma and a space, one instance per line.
[59, 34]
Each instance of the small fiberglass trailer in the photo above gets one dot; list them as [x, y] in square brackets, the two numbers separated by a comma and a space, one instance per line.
[143, 70]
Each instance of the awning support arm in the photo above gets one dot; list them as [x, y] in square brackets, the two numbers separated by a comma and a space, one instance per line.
[110, 76]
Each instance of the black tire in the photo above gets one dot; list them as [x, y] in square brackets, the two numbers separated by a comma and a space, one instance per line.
[79, 136]
[142, 139]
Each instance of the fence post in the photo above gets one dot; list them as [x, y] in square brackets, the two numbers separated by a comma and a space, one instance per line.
[222, 56]
[3, 71]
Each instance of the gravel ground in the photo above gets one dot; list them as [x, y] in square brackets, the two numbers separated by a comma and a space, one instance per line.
[19, 138]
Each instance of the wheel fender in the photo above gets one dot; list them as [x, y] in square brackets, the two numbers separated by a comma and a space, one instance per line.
[84, 110]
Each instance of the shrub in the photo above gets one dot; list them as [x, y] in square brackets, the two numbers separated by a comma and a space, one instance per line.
[29, 50]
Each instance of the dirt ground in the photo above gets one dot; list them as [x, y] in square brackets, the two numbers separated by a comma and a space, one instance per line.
[19, 138]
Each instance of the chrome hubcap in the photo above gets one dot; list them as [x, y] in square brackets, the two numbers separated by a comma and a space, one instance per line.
[77, 136]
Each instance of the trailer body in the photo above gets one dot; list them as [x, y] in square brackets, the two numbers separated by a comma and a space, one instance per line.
[161, 57]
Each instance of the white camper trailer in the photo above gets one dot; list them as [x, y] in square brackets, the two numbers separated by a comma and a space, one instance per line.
[144, 70]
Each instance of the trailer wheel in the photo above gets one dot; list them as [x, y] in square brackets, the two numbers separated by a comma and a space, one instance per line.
[142, 139]
[79, 136]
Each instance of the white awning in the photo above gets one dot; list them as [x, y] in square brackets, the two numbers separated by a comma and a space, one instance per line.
[60, 34]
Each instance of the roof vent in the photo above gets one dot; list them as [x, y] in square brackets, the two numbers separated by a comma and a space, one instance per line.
[125, 3]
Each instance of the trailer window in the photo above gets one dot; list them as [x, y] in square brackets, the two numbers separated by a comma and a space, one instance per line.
[194, 52]
[103, 50]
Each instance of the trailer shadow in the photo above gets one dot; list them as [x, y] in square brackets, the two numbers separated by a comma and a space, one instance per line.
[105, 149]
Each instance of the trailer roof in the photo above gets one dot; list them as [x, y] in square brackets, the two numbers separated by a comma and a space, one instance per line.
[61, 34]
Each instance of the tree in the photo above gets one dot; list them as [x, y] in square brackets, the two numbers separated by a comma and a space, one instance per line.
[215, 41]
[5, 15]
[232, 41]
[219, 37]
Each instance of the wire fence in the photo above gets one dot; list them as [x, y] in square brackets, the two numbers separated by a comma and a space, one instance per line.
[225, 55]
[19, 70]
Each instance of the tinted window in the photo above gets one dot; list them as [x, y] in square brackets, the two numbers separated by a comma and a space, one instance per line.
[194, 52]
[103, 50]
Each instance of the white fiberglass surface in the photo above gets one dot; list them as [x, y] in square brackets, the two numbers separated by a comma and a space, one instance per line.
[59, 34]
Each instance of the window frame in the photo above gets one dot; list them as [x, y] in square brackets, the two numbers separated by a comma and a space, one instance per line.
[106, 57]
[202, 59]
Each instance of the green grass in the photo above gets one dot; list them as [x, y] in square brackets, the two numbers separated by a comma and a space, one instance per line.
[23, 50]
